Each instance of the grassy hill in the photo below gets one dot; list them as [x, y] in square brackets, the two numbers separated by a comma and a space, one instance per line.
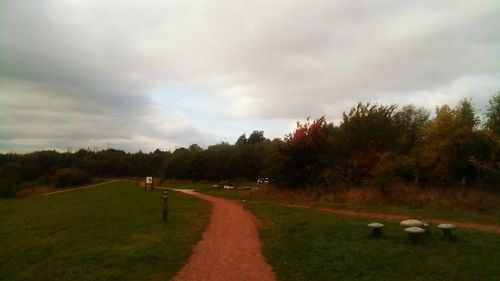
[110, 232]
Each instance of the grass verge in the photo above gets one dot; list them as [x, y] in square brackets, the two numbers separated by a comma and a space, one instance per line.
[111, 232]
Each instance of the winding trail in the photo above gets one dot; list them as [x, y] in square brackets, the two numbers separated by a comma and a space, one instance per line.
[492, 228]
[230, 248]
[77, 188]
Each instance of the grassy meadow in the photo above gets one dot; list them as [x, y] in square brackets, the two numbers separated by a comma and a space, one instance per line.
[114, 232]
[110, 232]
[474, 206]
[309, 245]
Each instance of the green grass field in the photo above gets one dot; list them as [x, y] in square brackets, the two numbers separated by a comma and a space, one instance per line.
[304, 244]
[110, 232]
[310, 245]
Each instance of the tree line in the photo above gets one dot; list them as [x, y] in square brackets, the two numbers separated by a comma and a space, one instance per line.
[372, 145]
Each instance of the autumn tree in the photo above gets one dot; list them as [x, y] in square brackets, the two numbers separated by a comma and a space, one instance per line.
[256, 137]
[449, 143]
[493, 115]
[400, 163]
[366, 133]
[302, 150]
[242, 140]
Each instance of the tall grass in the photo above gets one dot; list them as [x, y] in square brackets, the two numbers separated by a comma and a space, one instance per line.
[480, 201]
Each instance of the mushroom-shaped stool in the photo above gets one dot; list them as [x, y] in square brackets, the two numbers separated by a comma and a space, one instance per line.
[376, 228]
[412, 223]
[415, 232]
[427, 228]
[447, 228]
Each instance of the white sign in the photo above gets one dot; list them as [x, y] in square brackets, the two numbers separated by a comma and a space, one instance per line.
[149, 180]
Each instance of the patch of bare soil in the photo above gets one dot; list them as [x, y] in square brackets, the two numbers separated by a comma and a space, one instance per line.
[492, 228]
[35, 190]
[230, 248]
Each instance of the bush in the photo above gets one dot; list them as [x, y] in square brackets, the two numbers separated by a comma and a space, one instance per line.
[7, 189]
[70, 177]
[9, 180]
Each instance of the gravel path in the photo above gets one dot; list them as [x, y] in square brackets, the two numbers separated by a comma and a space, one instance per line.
[230, 248]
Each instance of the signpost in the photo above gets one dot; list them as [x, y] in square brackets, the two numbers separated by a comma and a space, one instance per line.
[148, 183]
[262, 181]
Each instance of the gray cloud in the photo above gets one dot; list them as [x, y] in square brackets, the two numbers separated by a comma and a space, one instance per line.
[84, 72]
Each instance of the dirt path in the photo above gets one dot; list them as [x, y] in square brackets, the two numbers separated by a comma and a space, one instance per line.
[77, 188]
[230, 248]
[492, 228]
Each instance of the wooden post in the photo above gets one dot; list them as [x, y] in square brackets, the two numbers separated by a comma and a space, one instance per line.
[165, 206]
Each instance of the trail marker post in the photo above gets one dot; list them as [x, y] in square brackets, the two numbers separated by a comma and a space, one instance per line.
[148, 183]
[165, 206]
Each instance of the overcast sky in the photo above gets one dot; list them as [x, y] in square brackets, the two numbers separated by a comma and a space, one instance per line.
[160, 74]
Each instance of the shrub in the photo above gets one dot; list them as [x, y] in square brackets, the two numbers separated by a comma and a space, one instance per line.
[7, 189]
[9, 180]
[70, 177]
